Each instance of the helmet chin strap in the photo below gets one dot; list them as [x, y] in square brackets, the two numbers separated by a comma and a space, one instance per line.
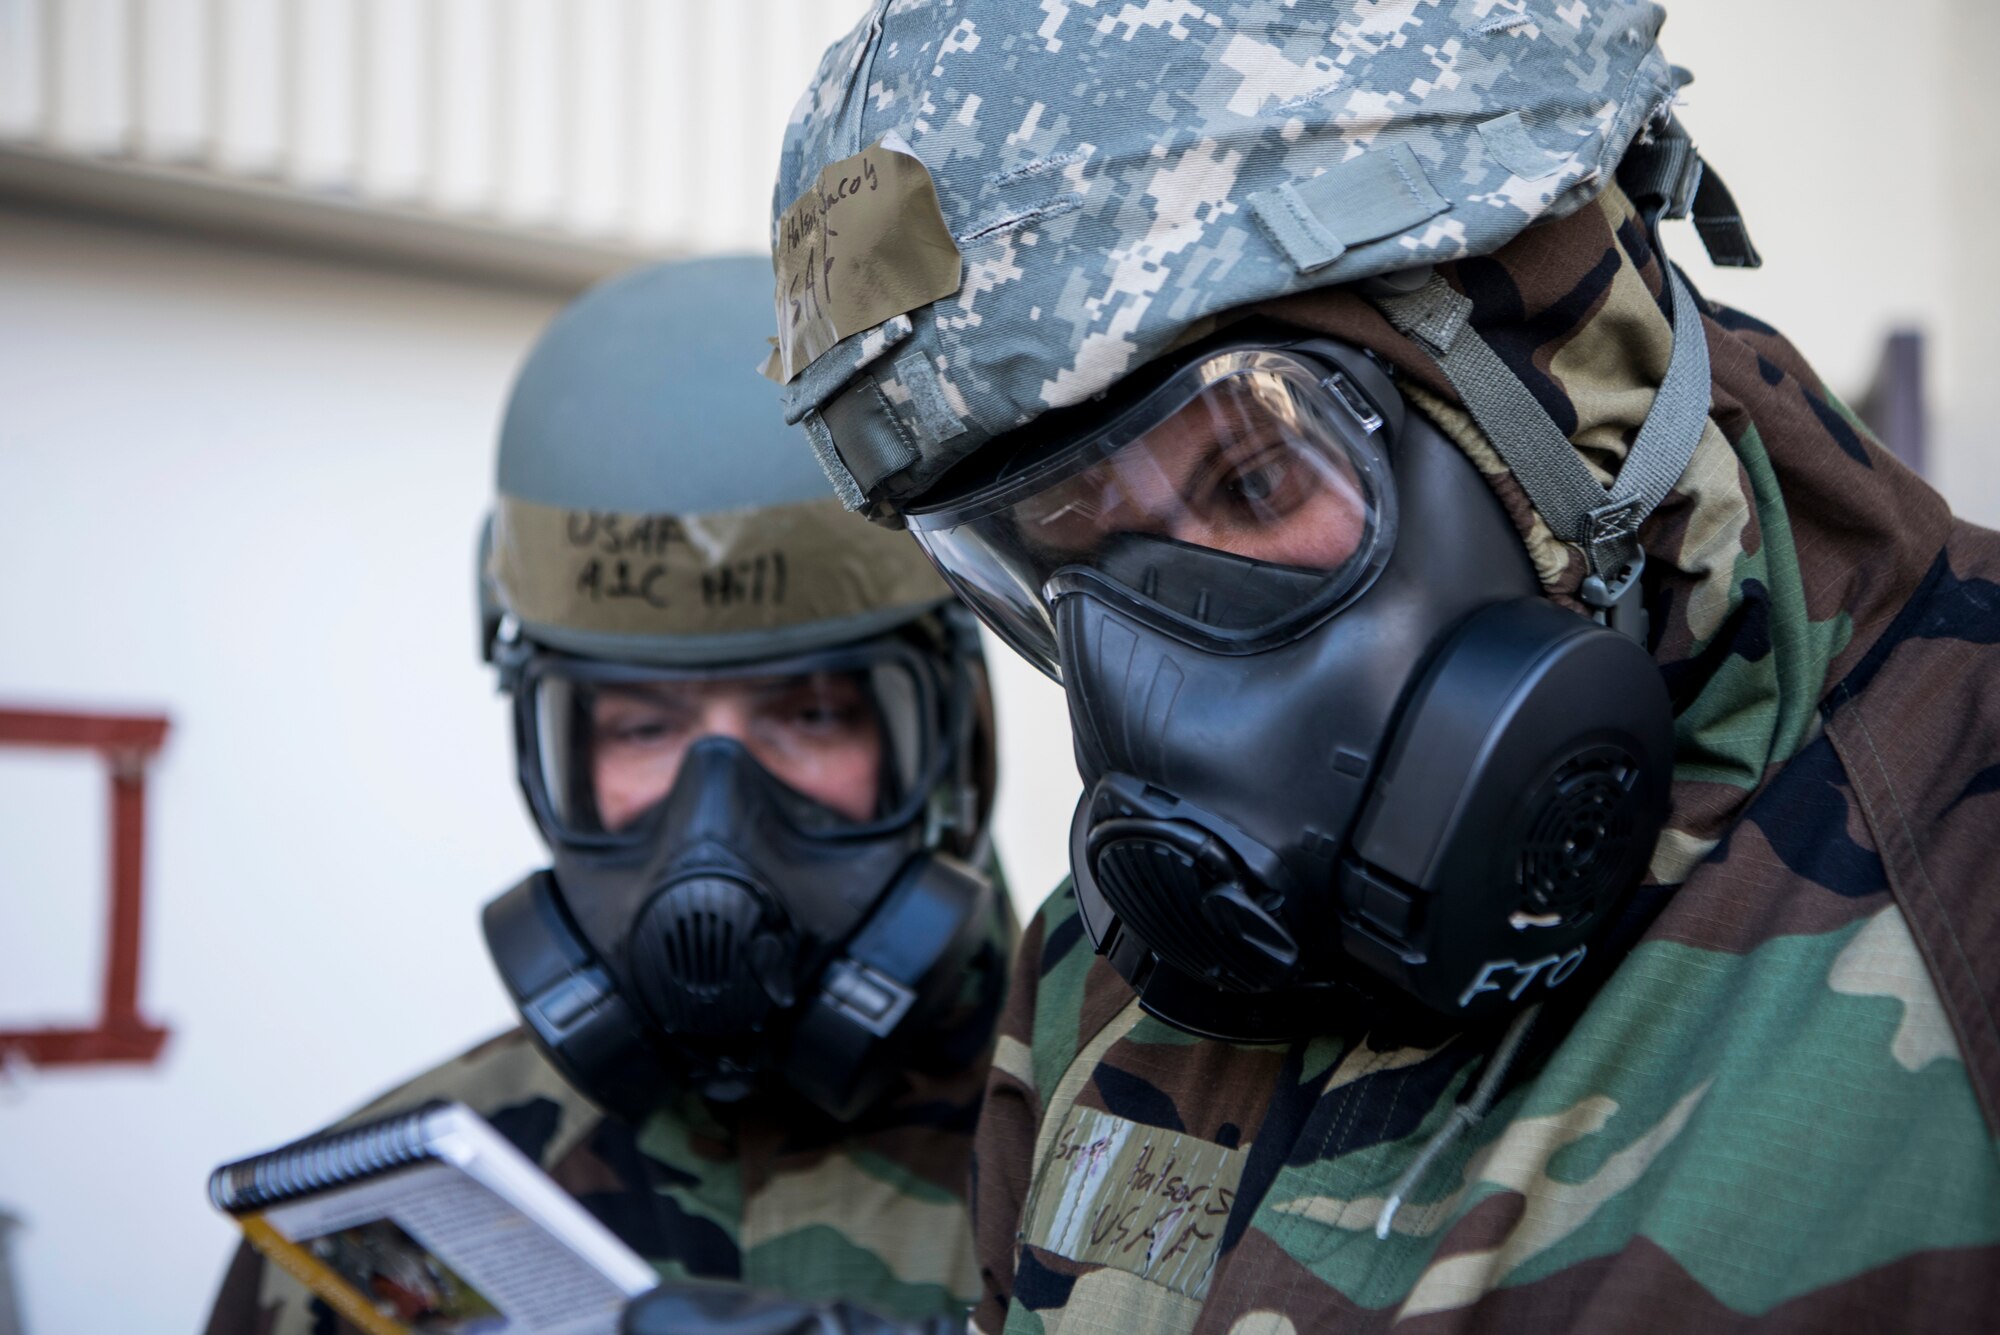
[1666, 178]
[1603, 522]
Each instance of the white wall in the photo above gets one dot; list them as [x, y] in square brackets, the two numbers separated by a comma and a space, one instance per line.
[242, 490]
[1969, 327]
[1860, 141]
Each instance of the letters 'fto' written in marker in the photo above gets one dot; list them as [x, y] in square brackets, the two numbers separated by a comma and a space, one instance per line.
[865, 243]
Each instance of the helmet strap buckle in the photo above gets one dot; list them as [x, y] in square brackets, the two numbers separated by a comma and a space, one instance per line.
[1616, 602]
[509, 653]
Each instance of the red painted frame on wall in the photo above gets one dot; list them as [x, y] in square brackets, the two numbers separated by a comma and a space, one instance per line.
[127, 743]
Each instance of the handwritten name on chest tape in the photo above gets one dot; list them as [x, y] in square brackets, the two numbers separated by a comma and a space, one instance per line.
[864, 243]
[1138, 1198]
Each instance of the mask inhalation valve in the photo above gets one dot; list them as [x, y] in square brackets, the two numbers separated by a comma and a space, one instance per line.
[1183, 891]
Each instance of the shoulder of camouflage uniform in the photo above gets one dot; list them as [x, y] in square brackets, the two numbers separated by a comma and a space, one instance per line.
[1918, 735]
[1063, 995]
[1026, 1063]
[1903, 604]
[508, 1081]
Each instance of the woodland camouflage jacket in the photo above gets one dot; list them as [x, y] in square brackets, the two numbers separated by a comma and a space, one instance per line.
[769, 1193]
[1778, 1112]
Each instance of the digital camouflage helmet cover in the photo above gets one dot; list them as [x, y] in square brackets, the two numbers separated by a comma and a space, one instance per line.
[1114, 177]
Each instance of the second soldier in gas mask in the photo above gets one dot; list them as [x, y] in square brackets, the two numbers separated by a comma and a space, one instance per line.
[759, 982]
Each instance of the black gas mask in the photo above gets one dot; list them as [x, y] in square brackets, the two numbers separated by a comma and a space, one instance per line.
[1334, 741]
[754, 883]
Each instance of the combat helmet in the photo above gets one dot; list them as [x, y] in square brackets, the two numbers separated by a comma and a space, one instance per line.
[987, 214]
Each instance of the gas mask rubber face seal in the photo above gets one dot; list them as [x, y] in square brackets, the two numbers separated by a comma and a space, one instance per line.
[727, 844]
[1334, 743]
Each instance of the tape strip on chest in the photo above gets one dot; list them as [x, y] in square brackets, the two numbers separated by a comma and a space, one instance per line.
[1143, 1199]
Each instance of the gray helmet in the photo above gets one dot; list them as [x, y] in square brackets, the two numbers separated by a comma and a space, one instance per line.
[1107, 184]
[652, 507]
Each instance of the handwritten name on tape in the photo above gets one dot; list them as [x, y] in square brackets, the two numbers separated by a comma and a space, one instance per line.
[865, 243]
[1142, 1199]
[706, 574]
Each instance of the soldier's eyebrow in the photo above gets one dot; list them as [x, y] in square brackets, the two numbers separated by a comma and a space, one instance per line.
[765, 689]
[650, 692]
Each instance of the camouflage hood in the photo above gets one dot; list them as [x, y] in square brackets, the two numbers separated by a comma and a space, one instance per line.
[1760, 598]
[1107, 177]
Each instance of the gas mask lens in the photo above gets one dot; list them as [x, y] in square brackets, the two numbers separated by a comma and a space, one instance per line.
[845, 736]
[1241, 499]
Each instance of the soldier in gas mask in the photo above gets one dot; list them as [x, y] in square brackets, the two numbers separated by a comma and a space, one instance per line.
[759, 983]
[1534, 865]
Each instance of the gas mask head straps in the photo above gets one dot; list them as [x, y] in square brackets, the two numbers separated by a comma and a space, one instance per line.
[1667, 179]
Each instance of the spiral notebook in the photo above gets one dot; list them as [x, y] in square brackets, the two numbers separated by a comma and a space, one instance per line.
[431, 1221]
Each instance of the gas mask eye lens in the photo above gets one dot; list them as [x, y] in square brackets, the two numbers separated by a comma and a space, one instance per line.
[815, 732]
[1241, 499]
[635, 736]
[845, 737]
[820, 735]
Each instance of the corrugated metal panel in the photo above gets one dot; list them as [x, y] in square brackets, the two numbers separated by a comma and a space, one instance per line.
[609, 129]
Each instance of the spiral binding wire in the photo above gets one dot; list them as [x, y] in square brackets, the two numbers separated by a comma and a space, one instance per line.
[331, 1158]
